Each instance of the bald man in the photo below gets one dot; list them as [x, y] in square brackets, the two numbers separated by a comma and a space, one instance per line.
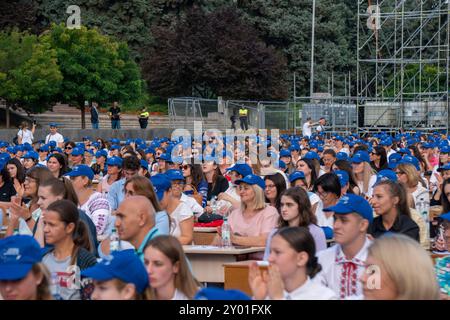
[135, 222]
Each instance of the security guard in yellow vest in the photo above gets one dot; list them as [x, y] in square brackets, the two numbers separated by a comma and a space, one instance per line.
[143, 118]
[243, 117]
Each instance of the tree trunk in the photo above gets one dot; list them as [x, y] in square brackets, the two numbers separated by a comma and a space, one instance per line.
[7, 115]
[83, 116]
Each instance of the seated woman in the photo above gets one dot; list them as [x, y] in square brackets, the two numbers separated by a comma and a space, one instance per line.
[71, 245]
[389, 202]
[170, 277]
[405, 270]
[293, 264]
[22, 275]
[93, 203]
[275, 185]
[252, 223]
[120, 277]
[328, 188]
[295, 211]
[181, 216]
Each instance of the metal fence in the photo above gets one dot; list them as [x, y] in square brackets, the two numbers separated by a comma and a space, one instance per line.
[344, 115]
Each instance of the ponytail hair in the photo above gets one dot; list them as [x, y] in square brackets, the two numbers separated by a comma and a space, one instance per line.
[61, 187]
[301, 240]
[68, 213]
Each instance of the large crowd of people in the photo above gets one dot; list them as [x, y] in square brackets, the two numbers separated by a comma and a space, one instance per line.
[340, 217]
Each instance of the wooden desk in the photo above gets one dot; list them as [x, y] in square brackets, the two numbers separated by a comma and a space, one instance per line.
[207, 261]
[236, 276]
[204, 236]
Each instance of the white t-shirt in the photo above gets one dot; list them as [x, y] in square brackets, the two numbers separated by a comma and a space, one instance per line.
[26, 135]
[192, 204]
[178, 295]
[57, 137]
[181, 213]
[306, 131]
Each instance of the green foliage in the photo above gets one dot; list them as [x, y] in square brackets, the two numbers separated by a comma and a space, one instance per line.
[29, 72]
[94, 67]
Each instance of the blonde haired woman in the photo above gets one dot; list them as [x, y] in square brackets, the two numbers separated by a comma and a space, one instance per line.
[405, 271]
[169, 275]
[252, 223]
[364, 174]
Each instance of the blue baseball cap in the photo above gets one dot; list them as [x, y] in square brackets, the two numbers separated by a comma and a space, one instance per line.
[77, 152]
[410, 160]
[114, 161]
[242, 168]
[404, 151]
[252, 179]
[115, 141]
[173, 174]
[124, 265]
[212, 293]
[310, 155]
[445, 149]
[342, 156]
[144, 164]
[101, 153]
[338, 138]
[18, 148]
[115, 147]
[285, 153]
[53, 124]
[150, 150]
[296, 175]
[165, 157]
[394, 159]
[59, 150]
[361, 156]
[281, 164]
[386, 175]
[161, 184]
[18, 254]
[11, 150]
[351, 203]
[44, 148]
[3, 144]
[445, 167]
[343, 177]
[294, 147]
[445, 216]
[31, 155]
[81, 170]
[80, 145]
[27, 146]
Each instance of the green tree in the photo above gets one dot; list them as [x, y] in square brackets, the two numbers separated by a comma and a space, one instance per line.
[29, 74]
[94, 67]
[128, 21]
[211, 54]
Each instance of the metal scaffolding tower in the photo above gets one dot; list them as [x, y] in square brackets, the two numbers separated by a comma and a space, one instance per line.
[403, 64]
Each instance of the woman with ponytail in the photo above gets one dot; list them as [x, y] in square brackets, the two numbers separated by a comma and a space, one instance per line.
[71, 245]
[293, 263]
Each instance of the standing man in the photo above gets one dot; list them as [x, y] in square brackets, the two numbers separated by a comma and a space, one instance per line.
[243, 117]
[114, 114]
[94, 115]
[143, 118]
[307, 127]
[54, 135]
[321, 127]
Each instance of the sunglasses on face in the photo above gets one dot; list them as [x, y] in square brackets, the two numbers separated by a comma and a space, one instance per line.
[185, 167]
[68, 148]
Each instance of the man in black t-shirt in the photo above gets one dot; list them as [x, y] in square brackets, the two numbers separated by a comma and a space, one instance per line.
[114, 114]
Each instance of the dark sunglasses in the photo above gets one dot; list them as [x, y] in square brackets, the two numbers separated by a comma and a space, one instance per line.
[68, 148]
[185, 167]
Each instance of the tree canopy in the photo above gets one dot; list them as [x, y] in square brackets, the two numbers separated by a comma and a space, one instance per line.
[213, 54]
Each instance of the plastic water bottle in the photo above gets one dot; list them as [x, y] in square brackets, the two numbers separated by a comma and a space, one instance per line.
[114, 244]
[226, 233]
[213, 204]
[423, 207]
[55, 287]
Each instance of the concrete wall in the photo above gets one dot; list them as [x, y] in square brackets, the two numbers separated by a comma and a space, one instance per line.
[77, 134]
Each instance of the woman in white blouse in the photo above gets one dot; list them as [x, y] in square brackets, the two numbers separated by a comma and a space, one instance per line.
[292, 265]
